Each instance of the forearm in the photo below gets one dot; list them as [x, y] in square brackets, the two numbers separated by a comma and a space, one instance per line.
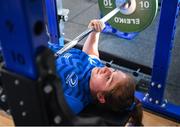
[91, 44]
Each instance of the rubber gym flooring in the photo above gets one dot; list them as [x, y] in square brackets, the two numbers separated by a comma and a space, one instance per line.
[148, 120]
[139, 50]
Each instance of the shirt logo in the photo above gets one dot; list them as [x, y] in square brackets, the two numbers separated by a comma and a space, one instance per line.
[72, 79]
[92, 62]
[67, 55]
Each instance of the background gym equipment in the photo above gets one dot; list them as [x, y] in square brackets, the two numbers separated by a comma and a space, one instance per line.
[134, 16]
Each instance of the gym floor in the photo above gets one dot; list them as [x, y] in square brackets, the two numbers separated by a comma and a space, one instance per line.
[148, 120]
[139, 50]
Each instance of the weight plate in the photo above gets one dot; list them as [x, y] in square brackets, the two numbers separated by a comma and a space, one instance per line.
[134, 16]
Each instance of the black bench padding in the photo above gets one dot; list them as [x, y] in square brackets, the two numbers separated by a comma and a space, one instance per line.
[109, 117]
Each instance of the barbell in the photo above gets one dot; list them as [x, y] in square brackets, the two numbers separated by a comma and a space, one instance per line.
[127, 17]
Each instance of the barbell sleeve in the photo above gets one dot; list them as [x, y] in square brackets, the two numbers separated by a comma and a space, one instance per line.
[110, 15]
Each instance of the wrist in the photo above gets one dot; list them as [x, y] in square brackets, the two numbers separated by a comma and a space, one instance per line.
[95, 32]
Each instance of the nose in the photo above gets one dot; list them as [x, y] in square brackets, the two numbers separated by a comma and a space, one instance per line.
[106, 70]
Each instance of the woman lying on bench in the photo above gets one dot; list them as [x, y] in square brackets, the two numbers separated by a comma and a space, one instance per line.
[85, 80]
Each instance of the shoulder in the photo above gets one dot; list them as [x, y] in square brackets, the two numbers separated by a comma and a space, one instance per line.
[95, 57]
[94, 60]
[74, 104]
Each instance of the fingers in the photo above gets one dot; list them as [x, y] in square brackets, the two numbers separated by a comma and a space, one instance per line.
[102, 25]
[97, 25]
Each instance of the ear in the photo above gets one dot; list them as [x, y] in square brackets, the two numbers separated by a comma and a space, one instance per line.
[101, 98]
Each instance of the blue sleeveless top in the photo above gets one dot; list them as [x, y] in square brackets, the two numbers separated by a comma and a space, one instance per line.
[74, 69]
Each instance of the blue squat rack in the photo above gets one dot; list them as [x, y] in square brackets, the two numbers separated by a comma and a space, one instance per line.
[154, 99]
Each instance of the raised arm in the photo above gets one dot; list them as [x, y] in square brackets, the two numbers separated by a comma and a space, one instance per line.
[91, 43]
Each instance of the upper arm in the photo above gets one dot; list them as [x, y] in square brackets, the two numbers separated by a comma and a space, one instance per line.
[91, 44]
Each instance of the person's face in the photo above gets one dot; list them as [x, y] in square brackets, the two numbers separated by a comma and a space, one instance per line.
[103, 79]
